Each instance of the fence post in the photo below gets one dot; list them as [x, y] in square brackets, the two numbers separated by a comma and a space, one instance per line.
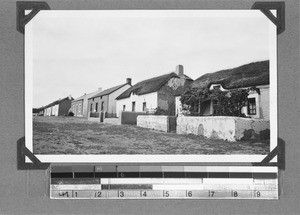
[101, 116]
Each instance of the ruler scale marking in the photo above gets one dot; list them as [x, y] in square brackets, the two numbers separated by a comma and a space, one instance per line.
[163, 182]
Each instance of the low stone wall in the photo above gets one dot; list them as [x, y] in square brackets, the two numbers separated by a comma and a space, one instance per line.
[128, 117]
[96, 116]
[94, 119]
[112, 121]
[225, 128]
[252, 129]
[159, 123]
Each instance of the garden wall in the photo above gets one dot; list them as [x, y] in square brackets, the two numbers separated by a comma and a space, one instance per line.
[94, 119]
[96, 116]
[252, 129]
[128, 117]
[225, 128]
[112, 121]
[160, 123]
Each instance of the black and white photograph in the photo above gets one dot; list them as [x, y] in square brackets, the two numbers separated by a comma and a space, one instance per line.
[141, 85]
[149, 107]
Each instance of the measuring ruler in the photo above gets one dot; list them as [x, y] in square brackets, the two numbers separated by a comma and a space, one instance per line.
[163, 182]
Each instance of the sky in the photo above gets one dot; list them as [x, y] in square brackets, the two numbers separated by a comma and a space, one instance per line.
[76, 52]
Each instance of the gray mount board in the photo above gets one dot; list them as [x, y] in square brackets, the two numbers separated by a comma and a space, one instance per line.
[26, 191]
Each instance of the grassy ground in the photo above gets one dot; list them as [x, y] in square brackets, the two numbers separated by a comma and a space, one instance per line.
[70, 135]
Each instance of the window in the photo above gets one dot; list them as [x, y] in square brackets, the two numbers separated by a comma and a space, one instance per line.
[96, 107]
[251, 106]
[217, 87]
[124, 107]
[133, 106]
[91, 108]
[102, 106]
[144, 106]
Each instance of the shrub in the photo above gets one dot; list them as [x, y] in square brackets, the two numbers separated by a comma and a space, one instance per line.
[70, 113]
[225, 103]
[159, 111]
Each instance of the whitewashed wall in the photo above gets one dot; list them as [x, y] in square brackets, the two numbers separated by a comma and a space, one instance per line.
[112, 102]
[159, 123]
[223, 127]
[51, 111]
[55, 110]
[47, 111]
[150, 99]
[250, 128]
[262, 103]
[265, 102]
[178, 106]
[210, 127]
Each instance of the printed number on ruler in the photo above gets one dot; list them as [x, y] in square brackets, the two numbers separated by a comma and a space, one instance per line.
[257, 194]
[211, 193]
[143, 193]
[234, 194]
[121, 193]
[98, 194]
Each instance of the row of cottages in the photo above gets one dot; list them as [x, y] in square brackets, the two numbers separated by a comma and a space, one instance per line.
[79, 106]
[105, 101]
[250, 75]
[155, 93]
[59, 107]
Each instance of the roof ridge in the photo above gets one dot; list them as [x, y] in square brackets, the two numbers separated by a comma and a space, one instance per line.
[232, 68]
[149, 79]
[107, 91]
[57, 101]
[148, 86]
[254, 73]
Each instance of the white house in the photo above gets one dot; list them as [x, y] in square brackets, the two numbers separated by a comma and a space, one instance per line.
[105, 101]
[155, 93]
[250, 75]
[79, 106]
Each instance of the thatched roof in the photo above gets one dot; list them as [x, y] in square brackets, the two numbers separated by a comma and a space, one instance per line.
[56, 102]
[36, 110]
[108, 91]
[149, 86]
[252, 74]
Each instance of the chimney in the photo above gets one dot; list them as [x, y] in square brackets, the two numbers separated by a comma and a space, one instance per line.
[99, 89]
[128, 81]
[179, 70]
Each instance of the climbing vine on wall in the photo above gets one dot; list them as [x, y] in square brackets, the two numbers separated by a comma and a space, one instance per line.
[225, 103]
